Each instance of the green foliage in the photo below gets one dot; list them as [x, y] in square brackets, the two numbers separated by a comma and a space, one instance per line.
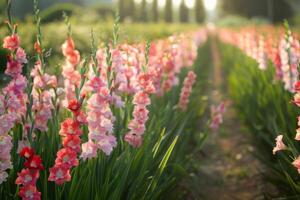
[104, 11]
[183, 12]
[168, 11]
[238, 21]
[199, 11]
[3, 54]
[265, 106]
[54, 13]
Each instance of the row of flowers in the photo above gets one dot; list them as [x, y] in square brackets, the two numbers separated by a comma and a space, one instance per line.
[279, 48]
[90, 90]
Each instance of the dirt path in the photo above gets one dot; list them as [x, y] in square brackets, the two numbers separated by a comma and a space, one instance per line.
[227, 169]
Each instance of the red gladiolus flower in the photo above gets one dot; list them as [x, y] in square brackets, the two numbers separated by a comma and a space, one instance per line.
[11, 42]
[70, 127]
[60, 174]
[27, 177]
[74, 105]
[29, 192]
[35, 162]
[297, 86]
[37, 47]
[27, 152]
[66, 157]
[72, 142]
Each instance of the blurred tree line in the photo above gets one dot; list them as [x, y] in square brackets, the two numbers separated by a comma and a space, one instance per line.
[150, 12]
[273, 10]
[132, 10]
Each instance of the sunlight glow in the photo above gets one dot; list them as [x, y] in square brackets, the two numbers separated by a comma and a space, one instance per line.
[190, 3]
[210, 4]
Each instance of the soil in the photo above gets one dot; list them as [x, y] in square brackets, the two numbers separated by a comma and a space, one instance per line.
[226, 169]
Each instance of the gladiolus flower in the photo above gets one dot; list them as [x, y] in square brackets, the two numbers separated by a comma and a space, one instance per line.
[186, 90]
[134, 140]
[296, 164]
[297, 137]
[3, 176]
[60, 174]
[35, 162]
[297, 86]
[297, 99]
[279, 144]
[29, 192]
[13, 67]
[70, 127]
[66, 157]
[72, 142]
[146, 83]
[11, 42]
[89, 150]
[27, 177]
[107, 143]
[74, 105]
[37, 47]
[27, 152]
[21, 55]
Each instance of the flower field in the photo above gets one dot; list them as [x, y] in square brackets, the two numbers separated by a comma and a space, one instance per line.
[125, 110]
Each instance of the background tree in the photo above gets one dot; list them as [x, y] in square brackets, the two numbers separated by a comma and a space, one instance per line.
[132, 9]
[183, 12]
[144, 13]
[121, 8]
[199, 11]
[274, 10]
[169, 11]
[155, 14]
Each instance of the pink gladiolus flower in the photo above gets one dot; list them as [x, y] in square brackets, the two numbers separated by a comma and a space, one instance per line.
[66, 157]
[134, 140]
[13, 67]
[60, 174]
[6, 123]
[217, 115]
[107, 143]
[21, 56]
[29, 192]
[186, 90]
[296, 164]
[297, 137]
[70, 127]
[297, 99]
[96, 84]
[141, 98]
[3, 176]
[72, 142]
[145, 82]
[89, 150]
[27, 177]
[11, 42]
[279, 144]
